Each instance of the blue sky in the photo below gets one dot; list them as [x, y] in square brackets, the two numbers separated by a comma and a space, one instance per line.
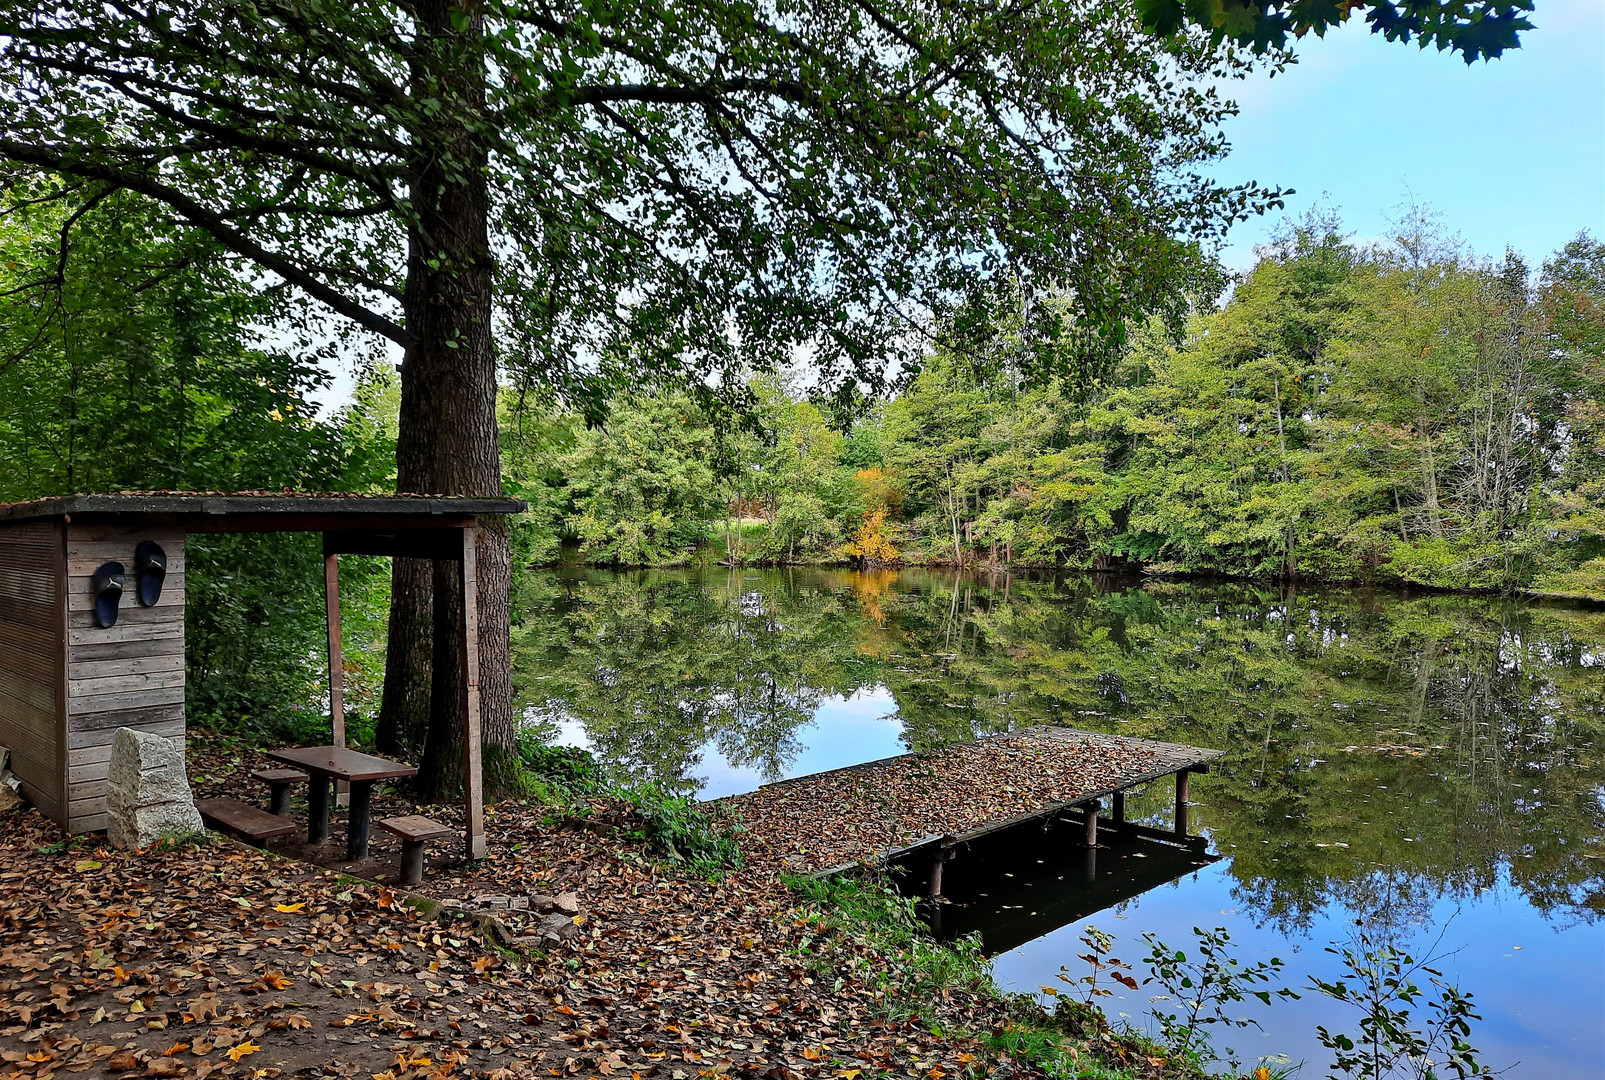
[1510, 152]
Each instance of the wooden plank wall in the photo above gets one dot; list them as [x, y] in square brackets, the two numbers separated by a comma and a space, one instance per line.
[32, 647]
[128, 675]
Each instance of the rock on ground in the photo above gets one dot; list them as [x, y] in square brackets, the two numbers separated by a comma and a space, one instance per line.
[148, 796]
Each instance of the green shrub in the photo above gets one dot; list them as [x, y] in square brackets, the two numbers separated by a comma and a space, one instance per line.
[567, 766]
[671, 824]
[666, 822]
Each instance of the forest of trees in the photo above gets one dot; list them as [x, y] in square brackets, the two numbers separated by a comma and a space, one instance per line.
[580, 201]
[1403, 413]
[1400, 412]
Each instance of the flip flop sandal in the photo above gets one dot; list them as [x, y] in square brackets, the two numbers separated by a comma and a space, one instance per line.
[150, 563]
[107, 585]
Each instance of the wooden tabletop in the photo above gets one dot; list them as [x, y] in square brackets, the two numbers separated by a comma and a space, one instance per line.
[339, 763]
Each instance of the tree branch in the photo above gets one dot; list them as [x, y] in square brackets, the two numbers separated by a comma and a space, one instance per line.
[208, 221]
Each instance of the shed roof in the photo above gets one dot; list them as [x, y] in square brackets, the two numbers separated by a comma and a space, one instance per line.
[254, 510]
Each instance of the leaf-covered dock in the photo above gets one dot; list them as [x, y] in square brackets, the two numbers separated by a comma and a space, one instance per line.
[914, 805]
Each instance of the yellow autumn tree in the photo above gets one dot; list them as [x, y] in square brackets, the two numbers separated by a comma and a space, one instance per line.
[871, 542]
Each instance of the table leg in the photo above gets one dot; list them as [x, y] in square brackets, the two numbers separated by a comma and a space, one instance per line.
[357, 829]
[318, 809]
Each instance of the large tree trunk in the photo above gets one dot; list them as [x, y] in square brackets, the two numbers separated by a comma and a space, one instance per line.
[448, 441]
[404, 709]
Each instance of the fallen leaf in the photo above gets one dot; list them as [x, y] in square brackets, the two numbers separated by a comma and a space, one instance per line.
[290, 909]
[246, 1047]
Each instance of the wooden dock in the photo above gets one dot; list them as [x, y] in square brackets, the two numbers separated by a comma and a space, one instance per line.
[881, 812]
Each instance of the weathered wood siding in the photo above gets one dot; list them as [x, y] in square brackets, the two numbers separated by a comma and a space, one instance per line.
[32, 660]
[128, 675]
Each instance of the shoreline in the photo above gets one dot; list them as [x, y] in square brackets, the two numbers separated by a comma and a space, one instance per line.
[1136, 576]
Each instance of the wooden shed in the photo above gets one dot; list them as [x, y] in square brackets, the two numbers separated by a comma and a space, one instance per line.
[67, 683]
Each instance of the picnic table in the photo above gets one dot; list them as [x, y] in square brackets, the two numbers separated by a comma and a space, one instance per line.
[326, 764]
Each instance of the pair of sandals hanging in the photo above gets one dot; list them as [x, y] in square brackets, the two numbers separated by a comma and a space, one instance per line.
[150, 566]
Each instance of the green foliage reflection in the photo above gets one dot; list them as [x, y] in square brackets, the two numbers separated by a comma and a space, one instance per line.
[1384, 750]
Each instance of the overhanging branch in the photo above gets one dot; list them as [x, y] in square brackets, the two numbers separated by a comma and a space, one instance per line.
[210, 222]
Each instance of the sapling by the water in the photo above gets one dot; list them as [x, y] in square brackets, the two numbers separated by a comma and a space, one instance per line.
[1086, 987]
[1204, 988]
[1385, 991]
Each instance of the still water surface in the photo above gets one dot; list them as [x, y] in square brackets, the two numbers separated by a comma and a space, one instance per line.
[1428, 766]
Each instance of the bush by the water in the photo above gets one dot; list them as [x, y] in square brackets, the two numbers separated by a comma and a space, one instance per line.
[666, 822]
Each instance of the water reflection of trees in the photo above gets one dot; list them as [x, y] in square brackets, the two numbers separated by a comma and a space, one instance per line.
[1438, 737]
[655, 666]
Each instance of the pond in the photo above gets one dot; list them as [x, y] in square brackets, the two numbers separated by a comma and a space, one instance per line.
[1426, 769]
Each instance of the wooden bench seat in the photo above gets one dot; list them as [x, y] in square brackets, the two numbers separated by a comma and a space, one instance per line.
[243, 820]
[279, 782]
[415, 831]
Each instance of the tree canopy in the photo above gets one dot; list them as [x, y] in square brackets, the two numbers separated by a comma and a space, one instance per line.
[585, 195]
[1472, 28]
[691, 186]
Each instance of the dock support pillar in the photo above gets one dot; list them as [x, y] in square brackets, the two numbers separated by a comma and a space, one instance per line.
[1181, 804]
[935, 891]
[1119, 813]
[1092, 823]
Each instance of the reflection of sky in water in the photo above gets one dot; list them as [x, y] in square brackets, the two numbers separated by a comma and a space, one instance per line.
[844, 731]
[1542, 1004]
[1538, 985]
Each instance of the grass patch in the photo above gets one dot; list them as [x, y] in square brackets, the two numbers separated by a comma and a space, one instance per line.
[863, 929]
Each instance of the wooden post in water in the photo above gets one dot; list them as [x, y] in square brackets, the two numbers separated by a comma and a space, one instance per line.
[1120, 808]
[1092, 823]
[935, 891]
[1181, 803]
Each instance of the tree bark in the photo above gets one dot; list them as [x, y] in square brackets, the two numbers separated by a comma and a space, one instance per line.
[404, 708]
[448, 441]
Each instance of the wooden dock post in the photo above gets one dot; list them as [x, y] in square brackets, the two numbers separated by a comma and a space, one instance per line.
[1119, 817]
[1092, 809]
[935, 890]
[1181, 803]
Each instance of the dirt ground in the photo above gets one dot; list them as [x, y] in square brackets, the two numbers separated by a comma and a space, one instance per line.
[219, 959]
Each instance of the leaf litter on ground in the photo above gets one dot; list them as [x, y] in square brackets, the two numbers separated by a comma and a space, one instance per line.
[266, 966]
